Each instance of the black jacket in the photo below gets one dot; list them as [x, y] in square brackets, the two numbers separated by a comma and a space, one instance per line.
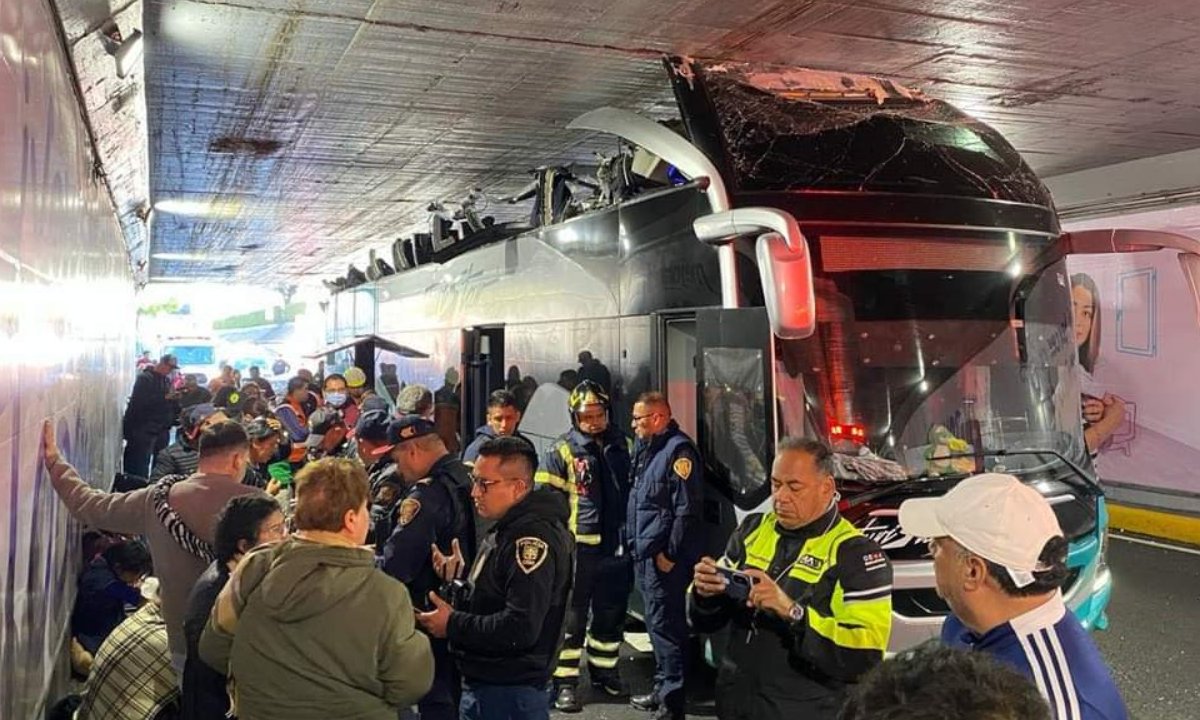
[204, 695]
[178, 458]
[483, 433]
[508, 630]
[149, 412]
[436, 510]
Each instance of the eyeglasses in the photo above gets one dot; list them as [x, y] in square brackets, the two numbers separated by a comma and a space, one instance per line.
[485, 485]
[647, 416]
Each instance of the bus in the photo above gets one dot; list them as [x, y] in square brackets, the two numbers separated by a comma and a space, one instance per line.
[806, 253]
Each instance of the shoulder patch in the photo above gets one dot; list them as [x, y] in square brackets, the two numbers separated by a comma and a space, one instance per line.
[409, 507]
[531, 553]
[683, 468]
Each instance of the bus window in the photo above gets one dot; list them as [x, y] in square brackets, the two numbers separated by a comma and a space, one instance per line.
[735, 415]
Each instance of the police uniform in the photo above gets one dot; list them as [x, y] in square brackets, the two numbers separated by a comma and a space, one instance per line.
[435, 510]
[799, 666]
[505, 634]
[593, 472]
[664, 517]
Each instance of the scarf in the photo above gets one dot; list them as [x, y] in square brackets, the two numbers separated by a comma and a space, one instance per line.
[174, 524]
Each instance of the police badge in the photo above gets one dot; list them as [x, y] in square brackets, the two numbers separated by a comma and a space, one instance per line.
[531, 553]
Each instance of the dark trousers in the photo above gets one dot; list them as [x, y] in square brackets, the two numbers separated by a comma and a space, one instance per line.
[665, 597]
[139, 454]
[504, 702]
[602, 585]
[442, 700]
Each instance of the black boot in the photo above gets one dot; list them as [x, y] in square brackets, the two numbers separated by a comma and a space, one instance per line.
[647, 702]
[566, 699]
[607, 682]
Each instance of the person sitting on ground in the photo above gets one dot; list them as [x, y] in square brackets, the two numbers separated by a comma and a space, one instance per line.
[933, 682]
[132, 678]
[308, 628]
[182, 456]
[109, 583]
[245, 523]
[176, 515]
[999, 560]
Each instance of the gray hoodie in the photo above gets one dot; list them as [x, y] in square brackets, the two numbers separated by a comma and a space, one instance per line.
[319, 633]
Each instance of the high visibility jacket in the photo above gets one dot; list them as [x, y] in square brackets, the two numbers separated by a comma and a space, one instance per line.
[594, 474]
[774, 667]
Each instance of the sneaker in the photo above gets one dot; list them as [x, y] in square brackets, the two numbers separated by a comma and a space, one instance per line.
[567, 700]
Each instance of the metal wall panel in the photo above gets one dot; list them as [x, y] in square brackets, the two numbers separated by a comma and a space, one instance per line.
[66, 350]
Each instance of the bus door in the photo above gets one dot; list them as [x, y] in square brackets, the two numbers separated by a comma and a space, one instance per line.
[734, 410]
[483, 372]
[675, 365]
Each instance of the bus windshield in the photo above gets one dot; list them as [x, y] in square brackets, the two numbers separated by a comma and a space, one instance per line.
[923, 373]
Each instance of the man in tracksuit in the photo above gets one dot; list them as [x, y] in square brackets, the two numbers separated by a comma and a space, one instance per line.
[665, 539]
[590, 466]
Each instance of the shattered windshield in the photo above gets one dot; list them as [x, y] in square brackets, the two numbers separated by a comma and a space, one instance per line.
[779, 133]
[928, 366]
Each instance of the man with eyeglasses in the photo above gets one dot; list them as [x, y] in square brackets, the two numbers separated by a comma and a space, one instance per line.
[505, 628]
[665, 538]
[806, 597]
[589, 467]
[434, 511]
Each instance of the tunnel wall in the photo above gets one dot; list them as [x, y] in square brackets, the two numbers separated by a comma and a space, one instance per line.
[66, 343]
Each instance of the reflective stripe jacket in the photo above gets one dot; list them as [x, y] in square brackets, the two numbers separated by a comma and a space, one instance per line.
[775, 668]
[594, 474]
[664, 504]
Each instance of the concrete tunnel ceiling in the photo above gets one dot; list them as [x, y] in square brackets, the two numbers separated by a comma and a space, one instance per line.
[312, 129]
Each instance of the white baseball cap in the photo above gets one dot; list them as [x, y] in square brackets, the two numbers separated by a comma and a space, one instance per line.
[995, 516]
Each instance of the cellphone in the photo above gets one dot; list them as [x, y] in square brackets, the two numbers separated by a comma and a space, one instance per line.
[737, 583]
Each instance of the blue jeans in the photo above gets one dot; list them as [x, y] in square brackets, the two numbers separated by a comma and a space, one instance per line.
[504, 702]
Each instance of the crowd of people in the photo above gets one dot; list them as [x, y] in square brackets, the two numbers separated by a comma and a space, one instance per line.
[335, 556]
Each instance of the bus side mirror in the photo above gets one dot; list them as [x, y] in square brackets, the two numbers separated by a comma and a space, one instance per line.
[784, 263]
[1099, 242]
[787, 281]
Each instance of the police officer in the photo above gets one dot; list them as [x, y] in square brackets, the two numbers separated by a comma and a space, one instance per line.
[665, 538]
[386, 485]
[434, 511]
[590, 465]
[505, 632]
[811, 611]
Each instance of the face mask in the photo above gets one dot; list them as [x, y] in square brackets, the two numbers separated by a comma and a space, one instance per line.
[335, 399]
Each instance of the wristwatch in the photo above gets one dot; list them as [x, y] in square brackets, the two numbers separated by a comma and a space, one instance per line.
[796, 612]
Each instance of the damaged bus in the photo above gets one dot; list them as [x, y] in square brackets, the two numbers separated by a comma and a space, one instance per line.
[802, 253]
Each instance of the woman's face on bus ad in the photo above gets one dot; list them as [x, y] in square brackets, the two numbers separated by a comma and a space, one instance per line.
[1085, 309]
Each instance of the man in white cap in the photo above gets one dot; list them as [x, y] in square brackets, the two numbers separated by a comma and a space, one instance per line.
[1000, 559]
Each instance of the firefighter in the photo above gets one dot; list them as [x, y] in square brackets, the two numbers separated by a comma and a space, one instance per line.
[590, 464]
[665, 538]
[810, 608]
